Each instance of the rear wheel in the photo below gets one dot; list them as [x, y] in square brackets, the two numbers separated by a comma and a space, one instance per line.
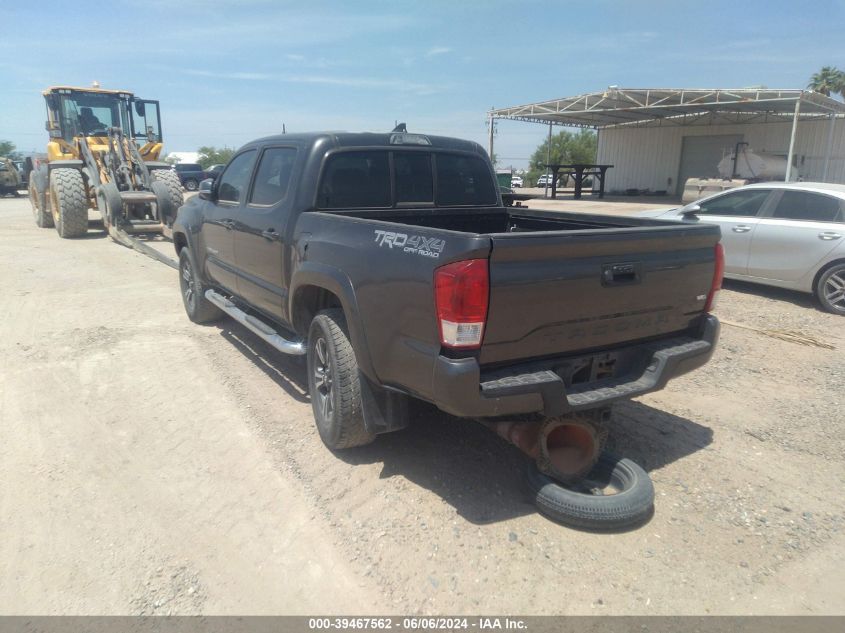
[830, 289]
[68, 202]
[199, 309]
[38, 200]
[334, 383]
[191, 184]
[168, 193]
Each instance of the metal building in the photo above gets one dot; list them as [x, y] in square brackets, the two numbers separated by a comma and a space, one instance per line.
[657, 138]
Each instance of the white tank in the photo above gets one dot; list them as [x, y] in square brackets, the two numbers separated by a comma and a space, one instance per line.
[754, 166]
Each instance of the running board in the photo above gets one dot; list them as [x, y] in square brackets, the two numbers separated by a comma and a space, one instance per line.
[296, 348]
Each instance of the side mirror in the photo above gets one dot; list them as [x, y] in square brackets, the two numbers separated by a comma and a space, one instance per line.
[206, 190]
[691, 212]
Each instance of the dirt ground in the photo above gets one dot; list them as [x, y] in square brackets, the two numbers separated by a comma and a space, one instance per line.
[149, 465]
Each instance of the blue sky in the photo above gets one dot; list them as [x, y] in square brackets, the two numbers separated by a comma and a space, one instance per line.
[228, 72]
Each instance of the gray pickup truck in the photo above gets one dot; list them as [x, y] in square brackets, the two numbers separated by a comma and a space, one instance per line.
[391, 263]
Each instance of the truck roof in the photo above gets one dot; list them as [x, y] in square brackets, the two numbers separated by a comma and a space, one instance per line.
[372, 139]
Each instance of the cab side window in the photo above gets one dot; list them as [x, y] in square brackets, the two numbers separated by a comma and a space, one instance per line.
[273, 176]
[812, 207]
[740, 203]
[236, 177]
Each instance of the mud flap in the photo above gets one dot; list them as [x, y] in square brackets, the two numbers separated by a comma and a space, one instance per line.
[384, 410]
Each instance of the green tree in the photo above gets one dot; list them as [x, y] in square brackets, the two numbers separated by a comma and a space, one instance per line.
[209, 156]
[7, 148]
[829, 80]
[567, 147]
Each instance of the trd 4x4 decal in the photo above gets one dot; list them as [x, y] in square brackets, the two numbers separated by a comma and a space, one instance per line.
[412, 244]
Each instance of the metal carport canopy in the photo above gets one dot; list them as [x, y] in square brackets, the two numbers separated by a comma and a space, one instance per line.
[664, 106]
[648, 107]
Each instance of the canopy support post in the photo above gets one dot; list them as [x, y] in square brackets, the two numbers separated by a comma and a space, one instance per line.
[829, 146]
[548, 161]
[791, 152]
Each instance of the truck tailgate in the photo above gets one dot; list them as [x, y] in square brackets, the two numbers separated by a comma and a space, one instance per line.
[555, 293]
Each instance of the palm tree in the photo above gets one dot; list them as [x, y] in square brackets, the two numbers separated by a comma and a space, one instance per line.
[828, 80]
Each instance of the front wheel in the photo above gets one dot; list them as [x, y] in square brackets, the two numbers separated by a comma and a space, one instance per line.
[334, 383]
[198, 308]
[68, 202]
[830, 289]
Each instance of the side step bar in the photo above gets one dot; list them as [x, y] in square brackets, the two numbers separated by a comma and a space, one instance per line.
[296, 348]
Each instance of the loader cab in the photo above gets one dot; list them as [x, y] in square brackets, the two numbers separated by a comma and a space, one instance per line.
[78, 112]
[75, 113]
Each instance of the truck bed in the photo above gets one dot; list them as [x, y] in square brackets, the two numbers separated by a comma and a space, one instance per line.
[565, 283]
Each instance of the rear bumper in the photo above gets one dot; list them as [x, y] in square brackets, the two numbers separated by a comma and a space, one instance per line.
[551, 387]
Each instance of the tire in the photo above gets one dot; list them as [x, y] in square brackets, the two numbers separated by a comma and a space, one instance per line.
[334, 383]
[68, 202]
[191, 184]
[582, 508]
[830, 289]
[198, 308]
[110, 204]
[38, 200]
[171, 193]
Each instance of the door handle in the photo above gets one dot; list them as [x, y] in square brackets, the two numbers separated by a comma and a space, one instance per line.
[270, 234]
[741, 228]
[829, 235]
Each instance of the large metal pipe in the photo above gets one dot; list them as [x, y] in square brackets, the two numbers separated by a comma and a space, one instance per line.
[564, 448]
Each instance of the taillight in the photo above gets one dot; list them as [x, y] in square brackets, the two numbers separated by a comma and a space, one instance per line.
[718, 273]
[461, 294]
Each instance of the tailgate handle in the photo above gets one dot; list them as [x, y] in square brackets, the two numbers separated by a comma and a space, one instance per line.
[621, 274]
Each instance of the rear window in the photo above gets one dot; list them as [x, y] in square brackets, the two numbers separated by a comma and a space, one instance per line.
[188, 167]
[812, 207]
[367, 179]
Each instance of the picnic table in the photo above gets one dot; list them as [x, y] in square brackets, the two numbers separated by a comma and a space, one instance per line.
[578, 171]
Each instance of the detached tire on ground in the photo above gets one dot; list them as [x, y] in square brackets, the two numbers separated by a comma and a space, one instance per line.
[334, 383]
[830, 289]
[198, 308]
[583, 507]
[168, 192]
[38, 200]
[68, 202]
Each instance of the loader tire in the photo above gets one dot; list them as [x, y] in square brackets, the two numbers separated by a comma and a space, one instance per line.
[110, 204]
[68, 202]
[38, 200]
[170, 197]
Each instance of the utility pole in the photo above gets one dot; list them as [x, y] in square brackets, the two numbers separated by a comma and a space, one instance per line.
[490, 122]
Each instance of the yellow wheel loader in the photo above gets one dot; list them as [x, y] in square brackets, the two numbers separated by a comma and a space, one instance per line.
[103, 154]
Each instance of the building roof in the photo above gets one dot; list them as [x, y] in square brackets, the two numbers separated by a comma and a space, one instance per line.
[639, 107]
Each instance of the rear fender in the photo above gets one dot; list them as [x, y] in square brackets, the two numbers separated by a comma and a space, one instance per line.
[65, 164]
[336, 282]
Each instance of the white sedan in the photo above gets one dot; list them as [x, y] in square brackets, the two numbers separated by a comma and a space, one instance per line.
[790, 235]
